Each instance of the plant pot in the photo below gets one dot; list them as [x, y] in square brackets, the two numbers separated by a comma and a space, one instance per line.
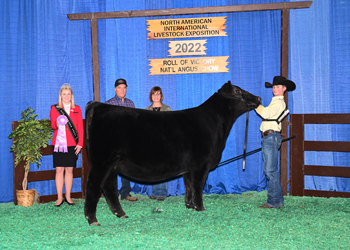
[25, 198]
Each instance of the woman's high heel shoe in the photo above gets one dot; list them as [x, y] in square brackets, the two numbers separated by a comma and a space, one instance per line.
[60, 203]
[70, 204]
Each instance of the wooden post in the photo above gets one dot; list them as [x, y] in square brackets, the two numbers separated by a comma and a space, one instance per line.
[296, 187]
[284, 72]
[18, 172]
[85, 165]
[95, 59]
[298, 146]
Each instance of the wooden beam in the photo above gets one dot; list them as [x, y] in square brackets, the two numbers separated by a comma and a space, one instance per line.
[95, 60]
[190, 11]
[284, 43]
[53, 197]
[296, 176]
[284, 72]
[85, 165]
[330, 146]
[332, 171]
[327, 118]
[46, 175]
[18, 171]
[327, 194]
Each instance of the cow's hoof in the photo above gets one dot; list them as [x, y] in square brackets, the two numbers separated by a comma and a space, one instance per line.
[200, 209]
[95, 224]
[190, 206]
[121, 215]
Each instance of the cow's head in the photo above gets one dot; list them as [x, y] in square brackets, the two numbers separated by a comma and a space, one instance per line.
[233, 92]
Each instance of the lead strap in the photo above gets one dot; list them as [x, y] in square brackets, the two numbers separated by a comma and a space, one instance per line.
[245, 140]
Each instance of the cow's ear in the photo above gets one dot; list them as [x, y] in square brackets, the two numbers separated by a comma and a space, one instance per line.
[226, 89]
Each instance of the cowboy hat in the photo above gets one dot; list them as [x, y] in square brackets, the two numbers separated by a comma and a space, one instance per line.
[281, 80]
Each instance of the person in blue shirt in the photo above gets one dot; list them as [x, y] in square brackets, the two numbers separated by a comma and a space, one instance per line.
[119, 99]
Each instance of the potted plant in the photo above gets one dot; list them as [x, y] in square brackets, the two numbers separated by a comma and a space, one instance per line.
[28, 138]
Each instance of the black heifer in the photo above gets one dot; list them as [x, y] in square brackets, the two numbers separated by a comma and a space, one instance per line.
[147, 146]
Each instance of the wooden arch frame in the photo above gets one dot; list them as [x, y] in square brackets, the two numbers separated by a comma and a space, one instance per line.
[284, 7]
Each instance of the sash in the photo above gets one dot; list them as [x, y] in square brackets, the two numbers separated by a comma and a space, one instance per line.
[69, 124]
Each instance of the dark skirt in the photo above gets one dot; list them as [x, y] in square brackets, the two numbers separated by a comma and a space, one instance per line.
[69, 159]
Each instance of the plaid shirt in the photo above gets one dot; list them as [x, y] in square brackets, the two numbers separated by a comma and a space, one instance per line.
[118, 102]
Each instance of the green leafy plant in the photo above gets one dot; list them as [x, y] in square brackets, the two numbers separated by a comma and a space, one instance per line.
[28, 138]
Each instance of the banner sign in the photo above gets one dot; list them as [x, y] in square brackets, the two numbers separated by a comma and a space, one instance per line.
[187, 48]
[186, 27]
[188, 65]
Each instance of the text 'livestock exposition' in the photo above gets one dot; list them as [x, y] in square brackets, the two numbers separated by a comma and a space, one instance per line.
[186, 27]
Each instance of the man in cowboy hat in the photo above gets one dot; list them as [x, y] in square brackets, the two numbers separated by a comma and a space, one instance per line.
[271, 139]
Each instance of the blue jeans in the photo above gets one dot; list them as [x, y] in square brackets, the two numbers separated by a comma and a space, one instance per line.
[160, 190]
[125, 189]
[270, 146]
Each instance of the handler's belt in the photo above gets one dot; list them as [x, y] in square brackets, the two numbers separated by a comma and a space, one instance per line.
[268, 132]
[69, 124]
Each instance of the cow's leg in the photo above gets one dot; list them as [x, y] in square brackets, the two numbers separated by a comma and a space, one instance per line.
[92, 195]
[198, 178]
[110, 190]
[188, 190]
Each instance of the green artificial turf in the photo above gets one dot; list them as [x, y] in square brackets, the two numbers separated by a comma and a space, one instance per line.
[231, 221]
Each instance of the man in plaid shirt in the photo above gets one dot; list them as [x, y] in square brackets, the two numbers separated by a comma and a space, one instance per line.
[120, 100]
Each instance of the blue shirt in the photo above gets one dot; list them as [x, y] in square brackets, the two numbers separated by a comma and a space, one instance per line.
[118, 102]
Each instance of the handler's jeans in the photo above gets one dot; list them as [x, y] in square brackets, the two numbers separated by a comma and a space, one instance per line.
[160, 190]
[270, 146]
[125, 189]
